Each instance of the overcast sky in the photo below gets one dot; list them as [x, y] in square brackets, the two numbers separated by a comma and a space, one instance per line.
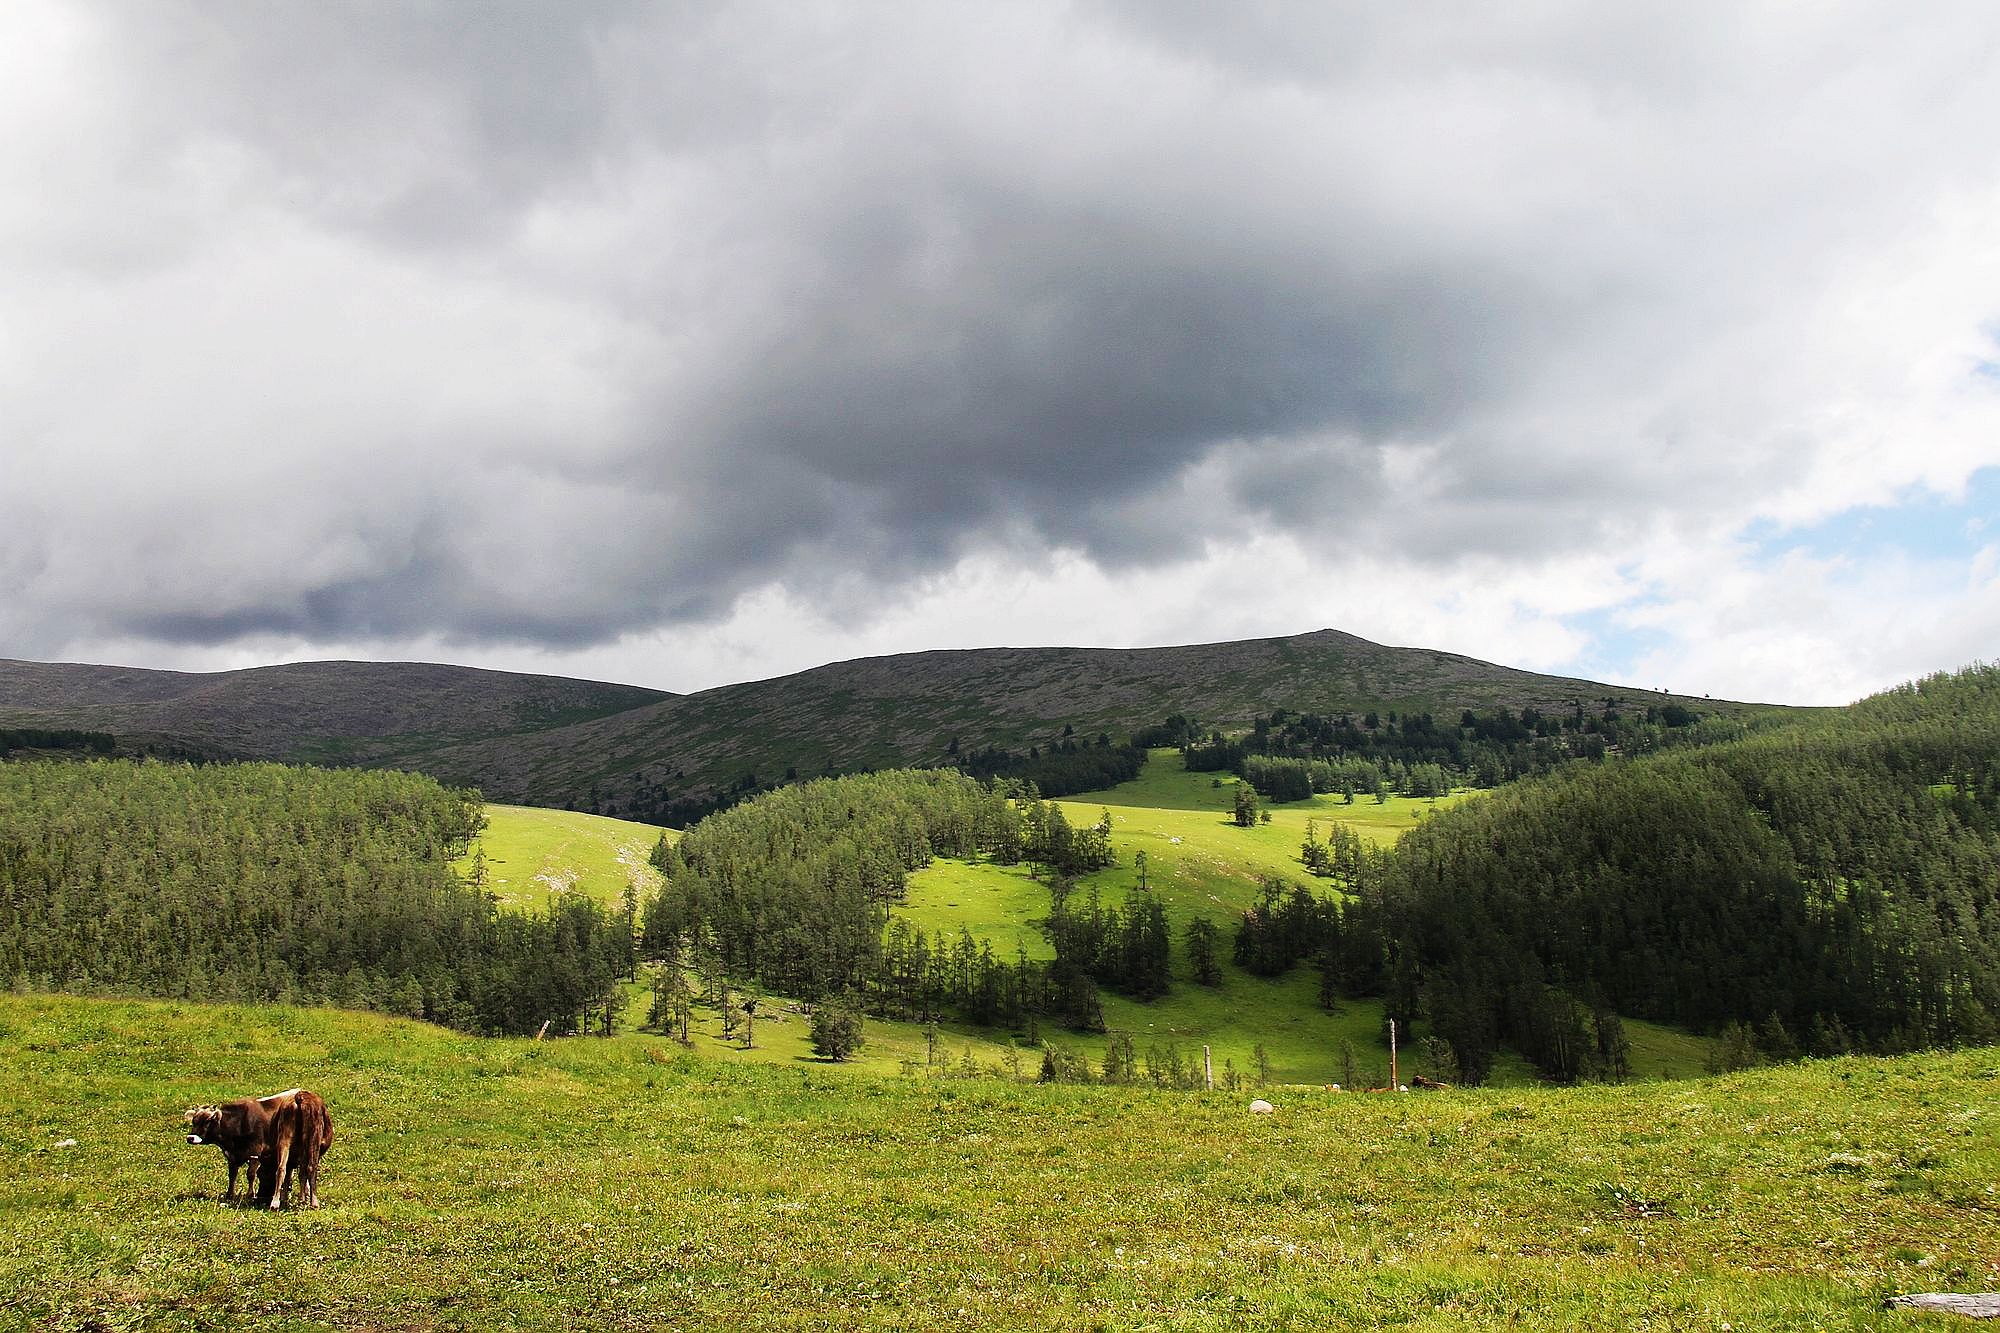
[688, 344]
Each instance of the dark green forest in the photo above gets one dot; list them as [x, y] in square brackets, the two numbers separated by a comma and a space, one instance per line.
[262, 882]
[1288, 756]
[1068, 764]
[1830, 885]
[55, 740]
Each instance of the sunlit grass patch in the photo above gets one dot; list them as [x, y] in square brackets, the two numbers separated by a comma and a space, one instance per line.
[997, 903]
[529, 854]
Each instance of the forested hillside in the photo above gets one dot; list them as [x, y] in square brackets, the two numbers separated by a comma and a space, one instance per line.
[262, 882]
[1290, 756]
[1822, 887]
[1827, 886]
[793, 890]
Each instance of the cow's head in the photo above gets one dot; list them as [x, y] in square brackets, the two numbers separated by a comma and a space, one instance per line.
[202, 1122]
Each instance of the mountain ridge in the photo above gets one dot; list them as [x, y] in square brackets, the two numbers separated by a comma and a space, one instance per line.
[337, 711]
[551, 740]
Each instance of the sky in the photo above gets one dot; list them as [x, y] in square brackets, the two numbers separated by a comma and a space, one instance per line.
[687, 344]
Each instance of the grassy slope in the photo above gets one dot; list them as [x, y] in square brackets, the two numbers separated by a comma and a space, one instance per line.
[605, 1184]
[529, 853]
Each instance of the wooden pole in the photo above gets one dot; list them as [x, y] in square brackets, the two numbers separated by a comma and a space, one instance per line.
[1394, 1082]
[1207, 1069]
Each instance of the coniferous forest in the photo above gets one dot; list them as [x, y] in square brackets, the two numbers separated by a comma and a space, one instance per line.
[1828, 886]
[261, 882]
[793, 890]
[1288, 756]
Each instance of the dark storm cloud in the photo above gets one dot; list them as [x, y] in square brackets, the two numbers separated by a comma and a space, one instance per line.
[550, 322]
[429, 122]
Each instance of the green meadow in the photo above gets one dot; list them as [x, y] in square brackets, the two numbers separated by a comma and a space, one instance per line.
[618, 1184]
[529, 854]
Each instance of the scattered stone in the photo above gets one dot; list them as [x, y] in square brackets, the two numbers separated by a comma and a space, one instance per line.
[1984, 1305]
[1261, 1107]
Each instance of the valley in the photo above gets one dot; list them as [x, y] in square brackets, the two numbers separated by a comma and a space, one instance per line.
[562, 1160]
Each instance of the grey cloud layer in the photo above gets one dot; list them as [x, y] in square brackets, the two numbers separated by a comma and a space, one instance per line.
[538, 324]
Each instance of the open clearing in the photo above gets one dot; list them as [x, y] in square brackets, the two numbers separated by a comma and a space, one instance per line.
[611, 1184]
[531, 853]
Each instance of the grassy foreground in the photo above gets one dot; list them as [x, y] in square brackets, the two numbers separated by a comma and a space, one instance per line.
[611, 1184]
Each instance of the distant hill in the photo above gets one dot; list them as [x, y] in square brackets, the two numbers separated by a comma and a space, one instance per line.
[541, 740]
[373, 714]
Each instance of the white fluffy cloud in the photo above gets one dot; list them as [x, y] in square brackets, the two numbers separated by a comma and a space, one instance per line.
[686, 344]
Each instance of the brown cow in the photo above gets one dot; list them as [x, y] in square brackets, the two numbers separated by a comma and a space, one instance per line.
[300, 1133]
[276, 1136]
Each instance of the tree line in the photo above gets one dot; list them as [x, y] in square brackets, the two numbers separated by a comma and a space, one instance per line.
[1289, 756]
[60, 739]
[261, 882]
[1063, 766]
[19, 743]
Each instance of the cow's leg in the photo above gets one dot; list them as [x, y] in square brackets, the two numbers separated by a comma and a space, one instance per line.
[229, 1195]
[279, 1185]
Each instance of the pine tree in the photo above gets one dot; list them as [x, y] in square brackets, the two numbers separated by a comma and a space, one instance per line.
[835, 1030]
[1201, 938]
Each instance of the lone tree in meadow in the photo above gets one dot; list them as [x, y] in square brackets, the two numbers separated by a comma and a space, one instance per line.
[836, 1029]
[1246, 805]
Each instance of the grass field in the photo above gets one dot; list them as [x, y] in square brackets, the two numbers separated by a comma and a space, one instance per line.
[1164, 785]
[997, 903]
[610, 1184]
[1197, 858]
[530, 853]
